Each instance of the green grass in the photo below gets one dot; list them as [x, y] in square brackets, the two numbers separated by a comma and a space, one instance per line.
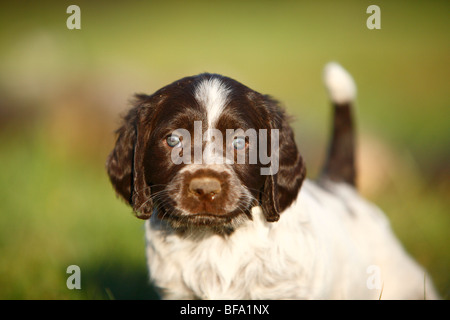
[58, 211]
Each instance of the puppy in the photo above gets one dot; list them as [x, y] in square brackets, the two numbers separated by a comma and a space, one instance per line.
[213, 167]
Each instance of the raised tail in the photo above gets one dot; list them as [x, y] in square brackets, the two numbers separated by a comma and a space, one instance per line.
[340, 162]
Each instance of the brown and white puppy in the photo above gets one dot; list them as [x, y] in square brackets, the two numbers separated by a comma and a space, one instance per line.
[143, 173]
[215, 167]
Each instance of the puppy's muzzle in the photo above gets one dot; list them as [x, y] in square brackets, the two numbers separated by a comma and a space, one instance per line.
[205, 188]
[207, 191]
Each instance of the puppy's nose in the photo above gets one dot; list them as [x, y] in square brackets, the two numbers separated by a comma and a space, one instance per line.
[206, 188]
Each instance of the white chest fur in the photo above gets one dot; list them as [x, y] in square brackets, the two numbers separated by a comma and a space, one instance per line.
[322, 248]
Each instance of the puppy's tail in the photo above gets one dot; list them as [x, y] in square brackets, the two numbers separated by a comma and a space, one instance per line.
[340, 161]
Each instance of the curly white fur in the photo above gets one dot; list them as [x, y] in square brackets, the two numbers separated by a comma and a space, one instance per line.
[323, 247]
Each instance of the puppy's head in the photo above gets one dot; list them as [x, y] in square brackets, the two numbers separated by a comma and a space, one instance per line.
[203, 151]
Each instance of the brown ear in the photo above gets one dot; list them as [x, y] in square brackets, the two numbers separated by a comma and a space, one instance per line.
[125, 163]
[281, 189]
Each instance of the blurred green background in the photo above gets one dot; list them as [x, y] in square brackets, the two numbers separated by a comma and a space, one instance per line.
[62, 92]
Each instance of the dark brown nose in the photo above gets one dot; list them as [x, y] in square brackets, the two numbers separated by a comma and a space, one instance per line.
[205, 188]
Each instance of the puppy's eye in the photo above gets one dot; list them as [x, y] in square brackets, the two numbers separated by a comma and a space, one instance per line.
[173, 141]
[239, 143]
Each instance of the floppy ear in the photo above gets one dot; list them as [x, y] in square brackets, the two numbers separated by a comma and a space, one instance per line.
[281, 189]
[125, 163]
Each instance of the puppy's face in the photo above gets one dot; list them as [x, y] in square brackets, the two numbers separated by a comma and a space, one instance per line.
[192, 154]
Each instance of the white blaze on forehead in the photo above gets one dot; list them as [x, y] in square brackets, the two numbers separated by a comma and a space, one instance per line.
[213, 95]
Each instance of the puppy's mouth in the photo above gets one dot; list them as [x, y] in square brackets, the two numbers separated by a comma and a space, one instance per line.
[205, 198]
[220, 222]
[207, 214]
